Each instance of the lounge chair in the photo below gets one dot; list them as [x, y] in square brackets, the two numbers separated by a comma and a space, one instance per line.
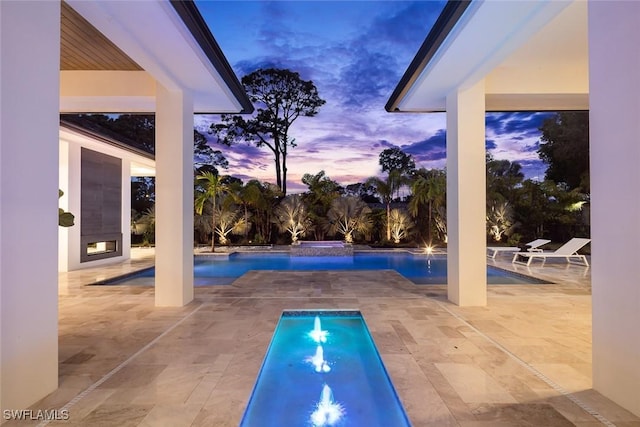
[492, 251]
[569, 251]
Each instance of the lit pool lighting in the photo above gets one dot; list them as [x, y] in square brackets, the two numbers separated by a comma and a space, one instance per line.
[317, 334]
[346, 384]
[317, 360]
[327, 412]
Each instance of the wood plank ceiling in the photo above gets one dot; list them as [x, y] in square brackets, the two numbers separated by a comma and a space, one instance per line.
[83, 47]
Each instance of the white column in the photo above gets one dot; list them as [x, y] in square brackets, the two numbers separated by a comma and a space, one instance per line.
[126, 209]
[63, 202]
[174, 198]
[29, 120]
[466, 194]
[614, 97]
[70, 183]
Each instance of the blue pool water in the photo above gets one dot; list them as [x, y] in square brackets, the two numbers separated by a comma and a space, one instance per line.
[324, 372]
[420, 269]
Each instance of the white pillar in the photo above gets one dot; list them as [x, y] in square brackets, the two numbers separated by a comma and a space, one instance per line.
[126, 209]
[70, 183]
[466, 197]
[614, 98]
[174, 198]
[29, 117]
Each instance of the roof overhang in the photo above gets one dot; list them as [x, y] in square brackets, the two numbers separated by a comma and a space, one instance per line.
[141, 163]
[532, 55]
[172, 45]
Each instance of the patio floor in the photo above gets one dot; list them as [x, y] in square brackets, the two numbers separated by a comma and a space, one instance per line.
[524, 360]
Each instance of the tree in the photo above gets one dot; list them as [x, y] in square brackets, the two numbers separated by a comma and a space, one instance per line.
[503, 177]
[348, 216]
[365, 192]
[500, 220]
[428, 191]
[213, 187]
[148, 218]
[322, 192]
[401, 225]
[565, 148]
[280, 97]
[292, 216]
[229, 220]
[394, 158]
[205, 158]
[263, 198]
[386, 189]
[143, 192]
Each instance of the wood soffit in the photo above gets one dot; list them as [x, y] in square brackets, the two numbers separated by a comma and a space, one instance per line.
[84, 48]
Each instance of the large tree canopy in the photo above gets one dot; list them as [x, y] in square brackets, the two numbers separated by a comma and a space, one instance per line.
[565, 148]
[280, 97]
[394, 158]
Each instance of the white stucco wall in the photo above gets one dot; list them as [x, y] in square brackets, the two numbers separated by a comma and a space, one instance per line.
[70, 182]
[615, 198]
[29, 86]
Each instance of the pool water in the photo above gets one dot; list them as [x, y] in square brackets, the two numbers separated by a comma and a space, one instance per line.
[420, 269]
[321, 369]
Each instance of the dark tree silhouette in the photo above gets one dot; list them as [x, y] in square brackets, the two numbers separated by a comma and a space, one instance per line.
[280, 97]
[395, 159]
[565, 148]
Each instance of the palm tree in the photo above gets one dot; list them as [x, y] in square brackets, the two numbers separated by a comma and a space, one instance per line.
[348, 216]
[213, 186]
[429, 188]
[149, 218]
[322, 191]
[230, 220]
[292, 216]
[240, 195]
[386, 189]
[401, 225]
[263, 198]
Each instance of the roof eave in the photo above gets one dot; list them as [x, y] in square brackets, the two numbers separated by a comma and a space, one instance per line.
[451, 13]
[105, 139]
[190, 15]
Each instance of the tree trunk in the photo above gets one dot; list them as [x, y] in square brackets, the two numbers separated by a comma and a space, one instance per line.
[213, 223]
[246, 223]
[278, 173]
[389, 220]
[429, 224]
[284, 173]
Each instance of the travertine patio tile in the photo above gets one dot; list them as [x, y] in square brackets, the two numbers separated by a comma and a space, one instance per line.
[466, 369]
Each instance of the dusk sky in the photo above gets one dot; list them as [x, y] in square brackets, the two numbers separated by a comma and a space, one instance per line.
[355, 52]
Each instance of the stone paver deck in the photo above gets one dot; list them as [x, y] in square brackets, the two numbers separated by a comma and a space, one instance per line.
[523, 360]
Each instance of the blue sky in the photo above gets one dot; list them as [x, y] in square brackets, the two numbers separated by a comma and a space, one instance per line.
[355, 52]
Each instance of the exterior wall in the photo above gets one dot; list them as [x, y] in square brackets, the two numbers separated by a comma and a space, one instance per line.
[615, 200]
[70, 182]
[29, 85]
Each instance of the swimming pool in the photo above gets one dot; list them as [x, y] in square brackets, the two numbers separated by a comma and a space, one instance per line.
[420, 269]
[322, 369]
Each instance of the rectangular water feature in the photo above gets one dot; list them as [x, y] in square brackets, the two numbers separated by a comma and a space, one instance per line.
[323, 369]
